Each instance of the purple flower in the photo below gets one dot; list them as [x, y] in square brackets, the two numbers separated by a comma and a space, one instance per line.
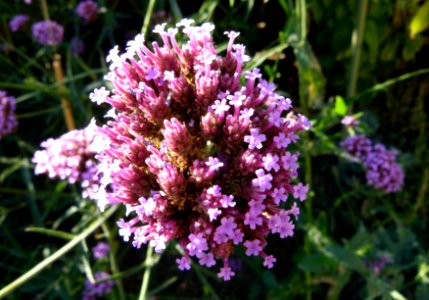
[76, 46]
[87, 10]
[17, 22]
[197, 149]
[378, 264]
[70, 158]
[350, 121]
[100, 250]
[381, 169]
[358, 146]
[48, 32]
[8, 121]
[94, 291]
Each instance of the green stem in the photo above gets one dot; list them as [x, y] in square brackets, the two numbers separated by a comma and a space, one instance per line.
[146, 275]
[148, 16]
[58, 254]
[356, 45]
[302, 15]
[45, 10]
[113, 262]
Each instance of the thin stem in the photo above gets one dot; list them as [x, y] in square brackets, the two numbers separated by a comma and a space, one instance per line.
[45, 10]
[148, 16]
[356, 45]
[113, 263]
[58, 254]
[384, 85]
[302, 15]
[147, 272]
[59, 76]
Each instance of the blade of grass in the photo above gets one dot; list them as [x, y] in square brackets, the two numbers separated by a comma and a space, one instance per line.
[386, 84]
[55, 256]
[113, 263]
[357, 37]
[149, 262]
[147, 17]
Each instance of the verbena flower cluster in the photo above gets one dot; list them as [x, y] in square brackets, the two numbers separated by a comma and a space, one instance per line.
[93, 291]
[382, 170]
[8, 122]
[17, 22]
[198, 149]
[47, 32]
[101, 250]
[87, 10]
[70, 158]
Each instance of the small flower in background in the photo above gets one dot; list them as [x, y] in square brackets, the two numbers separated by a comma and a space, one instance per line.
[87, 10]
[28, 1]
[8, 122]
[70, 158]
[358, 146]
[197, 149]
[94, 291]
[48, 32]
[18, 22]
[377, 265]
[76, 46]
[100, 250]
[350, 121]
[381, 169]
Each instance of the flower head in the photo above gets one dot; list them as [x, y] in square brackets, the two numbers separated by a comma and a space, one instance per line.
[94, 291]
[350, 121]
[70, 158]
[18, 22]
[100, 250]
[8, 121]
[48, 32]
[203, 144]
[87, 10]
[382, 170]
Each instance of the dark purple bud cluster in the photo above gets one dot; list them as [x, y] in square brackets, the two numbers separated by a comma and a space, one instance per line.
[87, 10]
[93, 291]
[8, 121]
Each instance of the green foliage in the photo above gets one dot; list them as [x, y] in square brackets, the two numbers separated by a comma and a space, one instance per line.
[305, 48]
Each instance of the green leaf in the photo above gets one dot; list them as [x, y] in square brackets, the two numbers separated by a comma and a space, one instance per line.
[420, 20]
[311, 79]
[317, 264]
[340, 106]
[412, 47]
[346, 257]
